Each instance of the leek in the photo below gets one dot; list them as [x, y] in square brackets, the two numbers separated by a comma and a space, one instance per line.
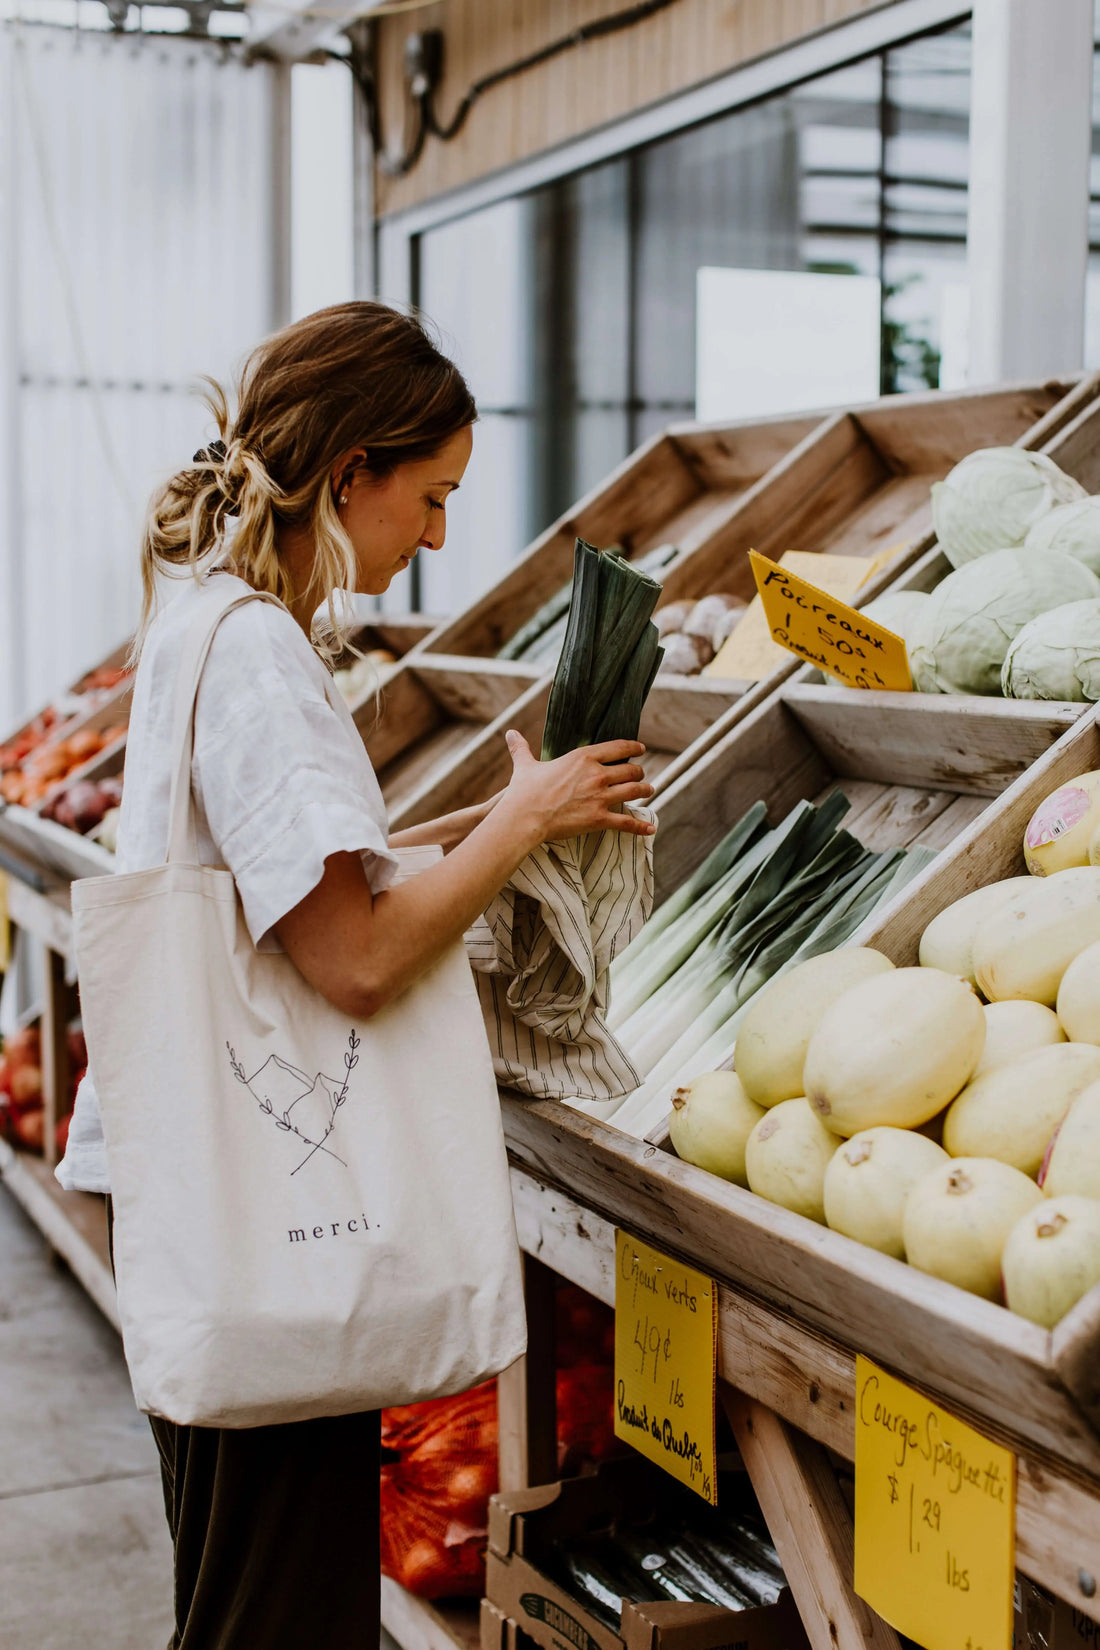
[802, 889]
[539, 640]
[720, 860]
[609, 656]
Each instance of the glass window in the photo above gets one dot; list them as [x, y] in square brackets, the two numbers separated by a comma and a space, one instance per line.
[574, 308]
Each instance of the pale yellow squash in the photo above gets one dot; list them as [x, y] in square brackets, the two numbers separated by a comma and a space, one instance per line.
[1060, 830]
[786, 1158]
[1073, 1158]
[1015, 1028]
[710, 1123]
[948, 940]
[1079, 997]
[1011, 1113]
[1025, 946]
[868, 1181]
[958, 1218]
[776, 1031]
[894, 1050]
[1052, 1258]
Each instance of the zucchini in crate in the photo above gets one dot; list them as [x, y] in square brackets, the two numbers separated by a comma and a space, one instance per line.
[609, 656]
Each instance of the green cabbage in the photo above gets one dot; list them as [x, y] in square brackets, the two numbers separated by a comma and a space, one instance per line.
[962, 636]
[1056, 656]
[1074, 529]
[898, 610]
[992, 498]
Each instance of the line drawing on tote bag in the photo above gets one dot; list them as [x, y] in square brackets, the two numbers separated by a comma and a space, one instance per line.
[297, 1104]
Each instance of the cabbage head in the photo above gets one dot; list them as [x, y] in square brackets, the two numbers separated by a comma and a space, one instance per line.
[898, 610]
[1056, 656]
[992, 499]
[962, 636]
[1074, 529]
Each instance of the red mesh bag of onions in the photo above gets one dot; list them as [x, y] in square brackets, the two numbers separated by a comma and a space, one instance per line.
[435, 1495]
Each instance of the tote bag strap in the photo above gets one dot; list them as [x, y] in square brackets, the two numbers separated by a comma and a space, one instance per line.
[183, 846]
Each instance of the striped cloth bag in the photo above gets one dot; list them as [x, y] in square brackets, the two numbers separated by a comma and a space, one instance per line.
[541, 954]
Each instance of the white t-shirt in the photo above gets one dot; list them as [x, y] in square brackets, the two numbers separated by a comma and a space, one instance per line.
[281, 780]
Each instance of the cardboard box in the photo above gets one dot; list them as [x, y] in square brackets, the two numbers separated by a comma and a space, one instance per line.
[1043, 1622]
[525, 1603]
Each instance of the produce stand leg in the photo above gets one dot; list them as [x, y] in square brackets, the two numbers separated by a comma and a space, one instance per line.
[810, 1525]
[57, 1010]
[526, 1395]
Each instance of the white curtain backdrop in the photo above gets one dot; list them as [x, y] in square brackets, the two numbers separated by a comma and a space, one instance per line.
[140, 212]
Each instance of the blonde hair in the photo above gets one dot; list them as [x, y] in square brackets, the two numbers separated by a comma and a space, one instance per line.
[356, 375]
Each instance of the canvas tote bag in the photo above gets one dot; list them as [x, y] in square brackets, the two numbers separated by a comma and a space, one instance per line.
[312, 1216]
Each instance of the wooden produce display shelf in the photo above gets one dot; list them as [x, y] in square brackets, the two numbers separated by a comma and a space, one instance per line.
[416, 1624]
[679, 488]
[1069, 433]
[74, 1224]
[916, 770]
[854, 483]
[799, 1300]
[769, 1353]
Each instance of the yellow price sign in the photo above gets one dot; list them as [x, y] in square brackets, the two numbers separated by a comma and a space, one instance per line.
[666, 1338]
[935, 1519]
[826, 632]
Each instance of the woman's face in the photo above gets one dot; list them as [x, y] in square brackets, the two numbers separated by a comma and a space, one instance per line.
[389, 520]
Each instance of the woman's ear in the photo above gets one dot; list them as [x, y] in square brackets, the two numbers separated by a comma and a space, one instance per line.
[344, 469]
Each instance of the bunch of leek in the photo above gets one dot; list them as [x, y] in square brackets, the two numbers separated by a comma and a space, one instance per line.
[609, 656]
[762, 901]
[539, 641]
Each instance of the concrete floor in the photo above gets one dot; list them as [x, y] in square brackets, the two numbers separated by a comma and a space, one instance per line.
[85, 1558]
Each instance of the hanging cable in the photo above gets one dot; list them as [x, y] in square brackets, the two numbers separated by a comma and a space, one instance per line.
[423, 79]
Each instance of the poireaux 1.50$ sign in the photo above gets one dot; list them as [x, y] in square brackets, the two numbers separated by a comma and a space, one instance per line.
[826, 632]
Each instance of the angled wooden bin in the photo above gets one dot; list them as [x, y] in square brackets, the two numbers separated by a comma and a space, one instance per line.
[50, 853]
[797, 1301]
[856, 484]
[1069, 433]
[452, 697]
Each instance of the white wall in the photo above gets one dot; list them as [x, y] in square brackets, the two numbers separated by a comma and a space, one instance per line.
[139, 210]
[322, 226]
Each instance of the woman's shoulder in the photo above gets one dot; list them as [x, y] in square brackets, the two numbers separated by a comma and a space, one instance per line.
[250, 640]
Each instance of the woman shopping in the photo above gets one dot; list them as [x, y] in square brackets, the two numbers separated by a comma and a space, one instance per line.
[293, 1105]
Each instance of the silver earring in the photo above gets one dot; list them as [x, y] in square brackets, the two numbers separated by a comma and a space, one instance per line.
[343, 498]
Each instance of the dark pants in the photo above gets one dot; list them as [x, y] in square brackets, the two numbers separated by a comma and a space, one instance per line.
[275, 1531]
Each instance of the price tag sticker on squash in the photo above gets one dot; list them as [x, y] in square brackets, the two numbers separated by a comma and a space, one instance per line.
[826, 632]
[666, 1341]
[935, 1519]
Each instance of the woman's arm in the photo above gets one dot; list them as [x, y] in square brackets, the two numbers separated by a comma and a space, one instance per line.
[361, 951]
[448, 830]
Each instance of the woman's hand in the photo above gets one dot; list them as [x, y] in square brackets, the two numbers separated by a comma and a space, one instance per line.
[577, 793]
[362, 950]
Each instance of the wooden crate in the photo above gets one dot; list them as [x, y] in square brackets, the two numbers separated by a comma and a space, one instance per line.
[856, 483]
[917, 769]
[64, 855]
[911, 779]
[1069, 432]
[679, 488]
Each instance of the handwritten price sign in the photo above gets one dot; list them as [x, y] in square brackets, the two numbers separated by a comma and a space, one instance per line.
[935, 1519]
[827, 632]
[666, 1324]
